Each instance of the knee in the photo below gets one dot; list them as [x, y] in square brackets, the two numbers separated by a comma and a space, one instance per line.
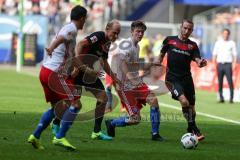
[184, 102]
[152, 100]
[102, 98]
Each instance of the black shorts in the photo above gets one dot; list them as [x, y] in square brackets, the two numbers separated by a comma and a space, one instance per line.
[90, 84]
[180, 86]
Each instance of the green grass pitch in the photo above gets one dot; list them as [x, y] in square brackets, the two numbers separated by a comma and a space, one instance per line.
[22, 103]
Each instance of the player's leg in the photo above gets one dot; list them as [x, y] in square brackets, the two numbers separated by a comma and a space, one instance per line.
[128, 101]
[55, 126]
[68, 97]
[177, 92]
[190, 96]
[59, 111]
[97, 89]
[109, 97]
[66, 122]
[187, 111]
[155, 117]
[47, 115]
[194, 129]
[111, 124]
[220, 73]
[108, 90]
[228, 72]
[44, 122]
[42, 125]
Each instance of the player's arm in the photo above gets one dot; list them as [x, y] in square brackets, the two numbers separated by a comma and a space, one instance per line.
[197, 58]
[201, 62]
[214, 53]
[77, 61]
[234, 53]
[128, 74]
[108, 70]
[164, 50]
[56, 42]
[79, 52]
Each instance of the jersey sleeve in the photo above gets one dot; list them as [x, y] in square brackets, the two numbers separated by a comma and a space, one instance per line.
[67, 33]
[165, 45]
[122, 54]
[95, 37]
[215, 49]
[234, 49]
[196, 52]
[123, 50]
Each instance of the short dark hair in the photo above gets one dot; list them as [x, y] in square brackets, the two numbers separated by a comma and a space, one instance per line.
[226, 29]
[78, 12]
[138, 24]
[188, 21]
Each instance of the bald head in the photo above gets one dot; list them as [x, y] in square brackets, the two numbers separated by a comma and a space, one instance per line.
[112, 23]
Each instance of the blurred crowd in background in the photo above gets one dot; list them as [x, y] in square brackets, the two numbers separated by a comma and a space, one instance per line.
[57, 11]
[228, 17]
[99, 12]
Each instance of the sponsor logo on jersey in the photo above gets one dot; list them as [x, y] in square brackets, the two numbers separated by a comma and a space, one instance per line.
[190, 47]
[94, 39]
[181, 52]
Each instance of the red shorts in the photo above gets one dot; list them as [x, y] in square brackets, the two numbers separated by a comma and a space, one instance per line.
[108, 80]
[57, 86]
[133, 99]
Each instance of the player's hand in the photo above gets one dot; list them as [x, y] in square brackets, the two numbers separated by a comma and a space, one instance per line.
[75, 72]
[93, 73]
[234, 65]
[202, 63]
[49, 51]
[117, 83]
[100, 74]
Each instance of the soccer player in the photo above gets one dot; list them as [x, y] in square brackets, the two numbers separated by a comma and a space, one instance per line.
[133, 92]
[56, 82]
[94, 48]
[180, 52]
[108, 80]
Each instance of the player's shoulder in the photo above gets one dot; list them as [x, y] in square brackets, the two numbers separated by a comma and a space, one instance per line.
[125, 44]
[69, 27]
[68, 30]
[171, 37]
[232, 42]
[191, 42]
[99, 34]
[96, 36]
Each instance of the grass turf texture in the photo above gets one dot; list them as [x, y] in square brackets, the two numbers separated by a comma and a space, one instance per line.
[22, 103]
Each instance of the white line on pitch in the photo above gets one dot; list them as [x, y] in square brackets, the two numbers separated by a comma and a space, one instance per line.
[202, 114]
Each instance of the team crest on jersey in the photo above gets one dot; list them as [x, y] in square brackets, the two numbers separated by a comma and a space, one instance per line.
[94, 39]
[190, 46]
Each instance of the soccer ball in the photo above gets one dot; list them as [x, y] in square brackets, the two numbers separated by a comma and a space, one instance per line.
[189, 141]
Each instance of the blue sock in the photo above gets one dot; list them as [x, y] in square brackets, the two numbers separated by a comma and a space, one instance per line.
[109, 96]
[67, 120]
[119, 122]
[44, 122]
[155, 120]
